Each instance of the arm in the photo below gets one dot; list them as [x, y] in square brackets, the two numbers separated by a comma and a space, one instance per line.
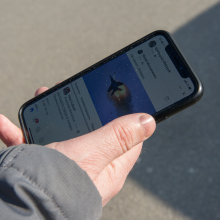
[37, 182]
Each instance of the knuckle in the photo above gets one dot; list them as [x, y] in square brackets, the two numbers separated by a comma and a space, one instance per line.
[124, 137]
[90, 165]
[115, 179]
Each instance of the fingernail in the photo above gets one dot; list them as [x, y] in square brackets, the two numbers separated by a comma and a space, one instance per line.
[146, 120]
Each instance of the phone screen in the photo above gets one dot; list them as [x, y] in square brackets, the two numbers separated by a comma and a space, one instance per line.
[142, 79]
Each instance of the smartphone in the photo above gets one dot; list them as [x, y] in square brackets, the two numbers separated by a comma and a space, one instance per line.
[150, 75]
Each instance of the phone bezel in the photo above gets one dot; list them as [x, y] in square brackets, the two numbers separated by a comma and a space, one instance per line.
[159, 116]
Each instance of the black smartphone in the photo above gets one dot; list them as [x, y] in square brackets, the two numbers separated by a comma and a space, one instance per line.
[150, 75]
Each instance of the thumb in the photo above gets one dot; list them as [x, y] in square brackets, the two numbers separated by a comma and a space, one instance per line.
[94, 151]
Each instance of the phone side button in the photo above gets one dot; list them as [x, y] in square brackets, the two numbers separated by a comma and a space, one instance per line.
[161, 119]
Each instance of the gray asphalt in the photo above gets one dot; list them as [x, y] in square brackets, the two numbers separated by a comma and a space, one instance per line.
[177, 175]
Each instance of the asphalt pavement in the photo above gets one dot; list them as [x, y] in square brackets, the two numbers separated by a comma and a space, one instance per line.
[43, 42]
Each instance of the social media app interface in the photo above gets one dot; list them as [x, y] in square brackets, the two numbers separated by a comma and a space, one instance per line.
[144, 79]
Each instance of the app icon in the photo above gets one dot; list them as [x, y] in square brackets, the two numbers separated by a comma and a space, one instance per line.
[37, 129]
[41, 140]
[166, 98]
[31, 109]
[66, 90]
[152, 43]
[36, 120]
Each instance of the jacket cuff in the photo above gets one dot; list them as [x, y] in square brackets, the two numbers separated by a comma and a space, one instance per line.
[66, 186]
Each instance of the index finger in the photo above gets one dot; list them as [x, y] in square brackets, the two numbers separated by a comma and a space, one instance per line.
[10, 134]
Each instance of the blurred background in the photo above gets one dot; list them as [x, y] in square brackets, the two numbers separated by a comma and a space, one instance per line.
[42, 42]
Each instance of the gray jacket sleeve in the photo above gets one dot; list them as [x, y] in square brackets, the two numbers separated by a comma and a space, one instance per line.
[40, 183]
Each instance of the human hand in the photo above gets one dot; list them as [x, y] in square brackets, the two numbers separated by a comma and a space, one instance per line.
[107, 154]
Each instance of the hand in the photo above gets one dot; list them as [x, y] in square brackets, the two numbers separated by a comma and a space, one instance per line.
[107, 154]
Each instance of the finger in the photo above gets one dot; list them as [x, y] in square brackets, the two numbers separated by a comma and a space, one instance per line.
[112, 178]
[10, 134]
[43, 89]
[58, 83]
[96, 150]
[40, 90]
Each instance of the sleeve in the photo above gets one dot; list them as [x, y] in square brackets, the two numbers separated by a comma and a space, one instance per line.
[37, 182]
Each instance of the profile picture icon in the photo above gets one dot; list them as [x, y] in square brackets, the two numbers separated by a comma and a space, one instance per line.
[36, 120]
[66, 90]
[152, 43]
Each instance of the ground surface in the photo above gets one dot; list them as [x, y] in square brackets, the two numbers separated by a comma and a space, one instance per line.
[178, 174]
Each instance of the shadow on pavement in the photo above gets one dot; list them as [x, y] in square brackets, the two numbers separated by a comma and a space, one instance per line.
[181, 162]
